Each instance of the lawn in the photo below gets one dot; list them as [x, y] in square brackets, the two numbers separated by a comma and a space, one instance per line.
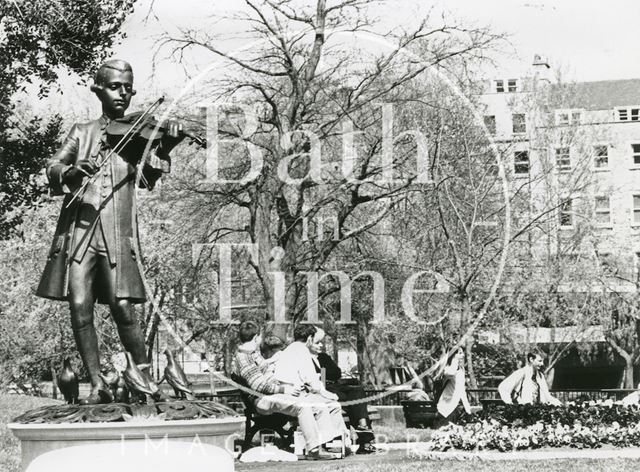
[10, 407]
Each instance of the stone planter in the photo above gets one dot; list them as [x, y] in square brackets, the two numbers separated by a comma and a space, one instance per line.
[151, 433]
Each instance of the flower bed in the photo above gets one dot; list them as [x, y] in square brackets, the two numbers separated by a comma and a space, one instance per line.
[589, 425]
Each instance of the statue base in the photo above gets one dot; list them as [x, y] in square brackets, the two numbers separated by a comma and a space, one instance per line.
[149, 426]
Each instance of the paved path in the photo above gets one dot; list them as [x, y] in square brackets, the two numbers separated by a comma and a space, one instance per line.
[400, 452]
[528, 455]
[391, 457]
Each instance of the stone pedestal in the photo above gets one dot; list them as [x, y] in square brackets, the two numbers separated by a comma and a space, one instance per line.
[172, 456]
[142, 432]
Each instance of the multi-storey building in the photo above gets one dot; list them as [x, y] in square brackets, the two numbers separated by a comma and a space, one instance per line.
[575, 150]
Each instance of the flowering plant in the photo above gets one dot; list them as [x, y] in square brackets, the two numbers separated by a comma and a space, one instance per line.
[517, 427]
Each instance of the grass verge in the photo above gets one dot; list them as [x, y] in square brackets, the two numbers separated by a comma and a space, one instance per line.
[10, 407]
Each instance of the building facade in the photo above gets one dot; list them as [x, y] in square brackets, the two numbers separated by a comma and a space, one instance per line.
[571, 152]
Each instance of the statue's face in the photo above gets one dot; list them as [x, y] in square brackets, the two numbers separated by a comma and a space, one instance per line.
[116, 92]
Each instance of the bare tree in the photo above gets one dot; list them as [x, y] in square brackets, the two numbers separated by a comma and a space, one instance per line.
[306, 82]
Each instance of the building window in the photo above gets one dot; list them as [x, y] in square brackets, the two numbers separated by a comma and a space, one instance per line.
[521, 162]
[635, 152]
[601, 156]
[563, 118]
[566, 216]
[603, 210]
[490, 123]
[636, 210]
[563, 159]
[512, 85]
[499, 86]
[568, 117]
[628, 114]
[519, 123]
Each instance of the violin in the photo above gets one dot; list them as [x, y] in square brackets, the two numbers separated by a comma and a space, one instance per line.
[142, 131]
[131, 136]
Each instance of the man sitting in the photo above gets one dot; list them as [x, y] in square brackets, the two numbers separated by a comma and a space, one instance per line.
[295, 366]
[271, 396]
[527, 385]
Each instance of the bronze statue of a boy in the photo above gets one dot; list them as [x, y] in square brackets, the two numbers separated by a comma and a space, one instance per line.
[93, 255]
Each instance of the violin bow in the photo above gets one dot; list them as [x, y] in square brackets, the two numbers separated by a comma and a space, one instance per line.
[126, 139]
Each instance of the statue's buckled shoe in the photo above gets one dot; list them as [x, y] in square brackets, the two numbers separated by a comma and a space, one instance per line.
[97, 398]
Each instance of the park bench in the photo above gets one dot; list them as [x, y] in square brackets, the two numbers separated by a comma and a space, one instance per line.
[280, 424]
[419, 414]
[374, 415]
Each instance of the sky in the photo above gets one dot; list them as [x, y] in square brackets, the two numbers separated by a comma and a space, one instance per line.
[588, 39]
[593, 39]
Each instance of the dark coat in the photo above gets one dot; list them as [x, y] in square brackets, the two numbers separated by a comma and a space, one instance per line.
[332, 371]
[112, 198]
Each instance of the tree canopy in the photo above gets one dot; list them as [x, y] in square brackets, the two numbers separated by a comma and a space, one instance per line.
[39, 40]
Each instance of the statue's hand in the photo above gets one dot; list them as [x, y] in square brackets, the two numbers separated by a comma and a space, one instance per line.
[172, 137]
[82, 168]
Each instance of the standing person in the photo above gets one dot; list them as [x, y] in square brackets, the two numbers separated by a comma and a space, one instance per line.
[454, 392]
[527, 385]
[271, 396]
[94, 250]
[352, 393]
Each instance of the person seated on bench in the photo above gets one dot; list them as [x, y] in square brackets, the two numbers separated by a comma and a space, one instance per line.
[346, 392]
[272, 396]
[527, 385]
[295, 366]
[271, 348]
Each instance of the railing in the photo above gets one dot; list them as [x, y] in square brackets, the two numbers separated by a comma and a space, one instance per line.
[382, 397]
[564, 395]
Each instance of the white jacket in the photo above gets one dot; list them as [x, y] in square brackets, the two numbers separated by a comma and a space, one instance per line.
[454, 391]
[520, 387]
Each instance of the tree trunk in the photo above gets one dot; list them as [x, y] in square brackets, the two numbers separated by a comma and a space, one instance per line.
[473, 382]
[54, 381]
[466, 316]
[627, 377]
[228, 354]
[360, 352]
[151, 338]
[374, 369]
[551, 373]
